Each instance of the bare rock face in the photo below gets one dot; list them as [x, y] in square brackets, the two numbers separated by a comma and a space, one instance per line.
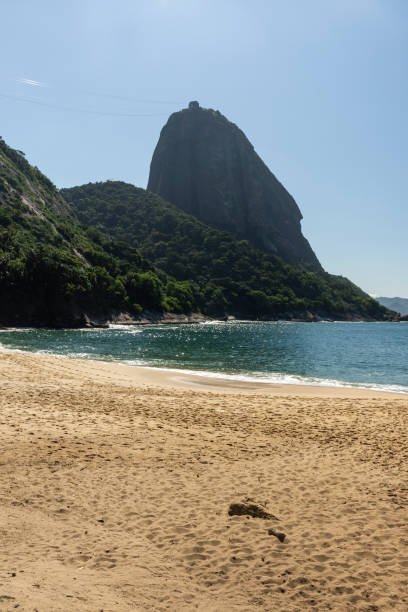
[206, 165]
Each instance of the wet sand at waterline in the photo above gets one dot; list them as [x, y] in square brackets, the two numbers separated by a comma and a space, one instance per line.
[116, 483]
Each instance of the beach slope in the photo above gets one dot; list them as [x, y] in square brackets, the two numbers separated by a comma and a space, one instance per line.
[116, 484]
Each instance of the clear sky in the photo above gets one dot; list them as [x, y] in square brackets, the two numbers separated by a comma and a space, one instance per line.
[319, 87]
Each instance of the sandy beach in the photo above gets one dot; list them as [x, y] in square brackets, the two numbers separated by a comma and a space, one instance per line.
[116, 484]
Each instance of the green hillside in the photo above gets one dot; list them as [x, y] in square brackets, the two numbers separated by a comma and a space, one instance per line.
[52, 269]
[227, 275]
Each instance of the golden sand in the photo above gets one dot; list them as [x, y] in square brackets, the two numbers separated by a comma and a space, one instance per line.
[116, 482]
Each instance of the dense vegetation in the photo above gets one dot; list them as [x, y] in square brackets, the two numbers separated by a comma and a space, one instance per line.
[110, 247]
[52, 269]
[216, 273]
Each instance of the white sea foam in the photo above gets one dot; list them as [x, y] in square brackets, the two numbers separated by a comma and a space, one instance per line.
[212, 322]
[5, 349]
[16, 329]
[130, 329]
[276, 378]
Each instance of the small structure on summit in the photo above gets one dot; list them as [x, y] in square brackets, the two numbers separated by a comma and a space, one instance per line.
[193, 104]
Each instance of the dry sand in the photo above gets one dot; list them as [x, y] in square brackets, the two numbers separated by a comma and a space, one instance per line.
[116, 482]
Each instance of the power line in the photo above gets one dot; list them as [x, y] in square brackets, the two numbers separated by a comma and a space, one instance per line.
[78, 110]
[90, 92]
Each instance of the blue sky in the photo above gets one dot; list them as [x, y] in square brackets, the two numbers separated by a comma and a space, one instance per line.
[319, 87]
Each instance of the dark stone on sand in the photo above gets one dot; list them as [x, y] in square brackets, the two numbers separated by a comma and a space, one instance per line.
[278, 534]
[249, 507]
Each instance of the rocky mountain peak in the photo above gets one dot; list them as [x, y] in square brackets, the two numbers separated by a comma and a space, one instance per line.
[205, 165]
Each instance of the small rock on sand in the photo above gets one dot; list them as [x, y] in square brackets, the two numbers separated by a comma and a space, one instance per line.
[278, 534]
[250, 507]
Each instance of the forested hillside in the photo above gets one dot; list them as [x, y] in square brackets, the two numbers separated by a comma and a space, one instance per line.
[225, 275]
[53, 271]
[107, 248]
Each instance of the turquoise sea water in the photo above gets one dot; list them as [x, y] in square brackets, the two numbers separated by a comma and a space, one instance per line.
[371, 355]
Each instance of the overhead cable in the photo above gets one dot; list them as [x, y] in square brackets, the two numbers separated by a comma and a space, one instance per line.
[78, 110]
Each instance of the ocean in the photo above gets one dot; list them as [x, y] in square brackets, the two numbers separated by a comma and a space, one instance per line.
[364, 355]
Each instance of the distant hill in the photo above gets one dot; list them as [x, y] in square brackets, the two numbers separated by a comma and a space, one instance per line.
[227, 275]
[205, 165]
[397, 304]
[54, 271]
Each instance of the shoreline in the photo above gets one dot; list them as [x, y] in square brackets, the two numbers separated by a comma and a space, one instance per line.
[213, 381]
[202, 377]
[210, 381]
[188, 320]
